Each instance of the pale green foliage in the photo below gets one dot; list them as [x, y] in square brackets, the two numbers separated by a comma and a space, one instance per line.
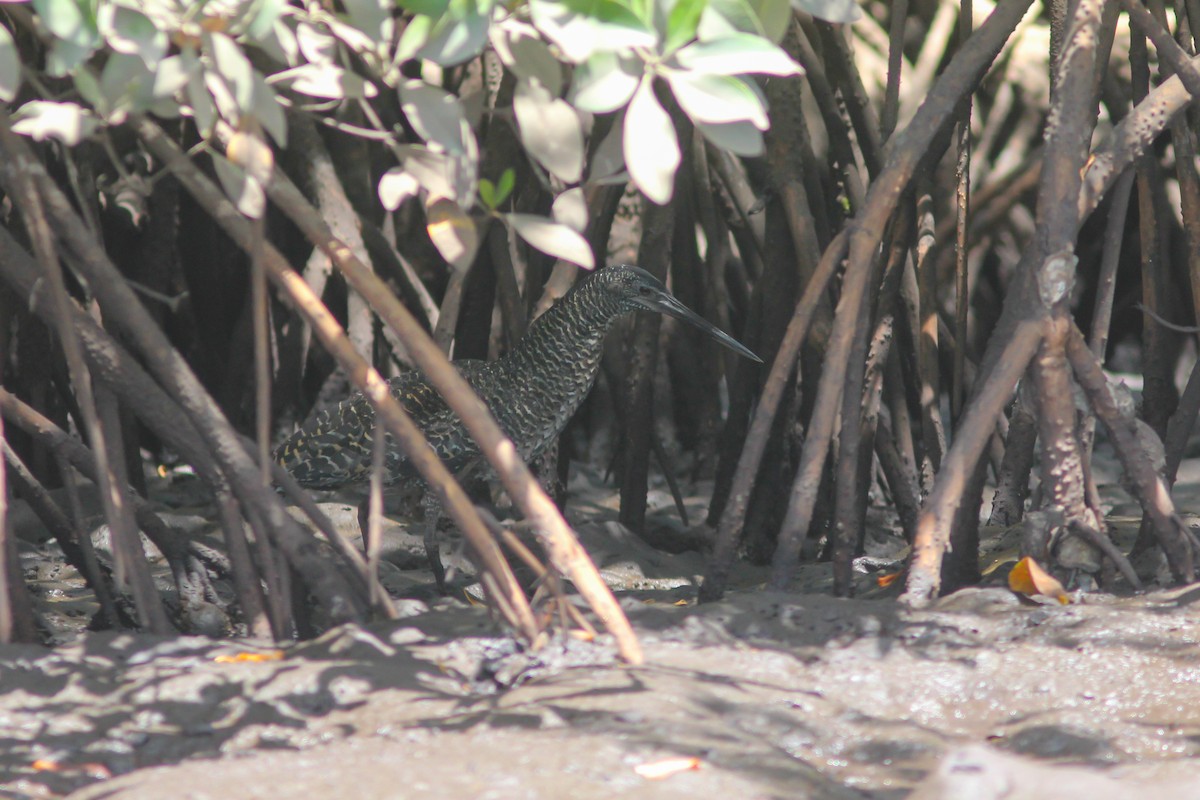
[41, 119]
[10, 67]
[572, 59]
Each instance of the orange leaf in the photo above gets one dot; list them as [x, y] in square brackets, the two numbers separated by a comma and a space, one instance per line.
[884, 581]
[92, 769]
[1027, 577]
[270, 655]
[657, 770]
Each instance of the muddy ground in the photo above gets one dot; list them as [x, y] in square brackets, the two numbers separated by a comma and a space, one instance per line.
[766, 695]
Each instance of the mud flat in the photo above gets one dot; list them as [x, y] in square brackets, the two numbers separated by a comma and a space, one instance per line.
[767, 695]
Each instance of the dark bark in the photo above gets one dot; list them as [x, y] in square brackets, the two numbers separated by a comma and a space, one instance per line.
[654, 253]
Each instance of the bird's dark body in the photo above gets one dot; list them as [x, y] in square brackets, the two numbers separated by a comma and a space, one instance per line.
[532, 391]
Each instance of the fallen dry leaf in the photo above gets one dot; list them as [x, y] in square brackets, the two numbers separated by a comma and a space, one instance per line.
[884, 581]
[92, 769]
[657, 770]
[1028, 578]
[269, 655]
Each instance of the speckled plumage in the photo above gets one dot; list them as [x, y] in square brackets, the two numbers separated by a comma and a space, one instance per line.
[532, 391]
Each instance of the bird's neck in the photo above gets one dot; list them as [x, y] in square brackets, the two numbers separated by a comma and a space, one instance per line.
[536, 389]
[568, 340]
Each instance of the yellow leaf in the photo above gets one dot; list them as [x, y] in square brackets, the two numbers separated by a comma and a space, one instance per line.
[248, 150]
[657, 770]
[452, 232]
[1028, 578]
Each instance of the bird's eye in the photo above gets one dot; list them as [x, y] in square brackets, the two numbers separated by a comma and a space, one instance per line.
[645, 291]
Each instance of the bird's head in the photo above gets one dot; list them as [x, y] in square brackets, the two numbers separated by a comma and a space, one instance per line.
[637, 289]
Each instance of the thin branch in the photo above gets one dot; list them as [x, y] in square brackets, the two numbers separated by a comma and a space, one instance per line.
[909, 147]
[179, 420]
[1173, 535]
[18, 175]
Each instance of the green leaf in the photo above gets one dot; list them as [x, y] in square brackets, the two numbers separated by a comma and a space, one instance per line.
[608, 159]
[279, 43]
[437, 116]
[89, 89]
[682, 23]
[525, 54]
[493, 195]
[10, 67]
[487, 193]
[369, 16]
[766, 18]
[458, 36]
[223, 99]
[443, 174]
[370, 48]
[643, 9]
[204, 109]
[245, 192]
[72, 23]
[169, 78]
[70, 20]
[583, 27]
[830, 10]
[775, 16]
[415, 35]
[605, 82]
[316, 45]
[268, 111]
[651, 145]
[737, 54]
[508, 180]
[326, 81]
[262, 16]
[428, 8]
[233, 66]
[553, 239]
[570, 209]
[550, 130]
[126, 85]
[129, 31]
[65, 57]
[717, 98]
[741, 138]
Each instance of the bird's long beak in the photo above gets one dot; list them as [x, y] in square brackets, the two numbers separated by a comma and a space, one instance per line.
[668, 304]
